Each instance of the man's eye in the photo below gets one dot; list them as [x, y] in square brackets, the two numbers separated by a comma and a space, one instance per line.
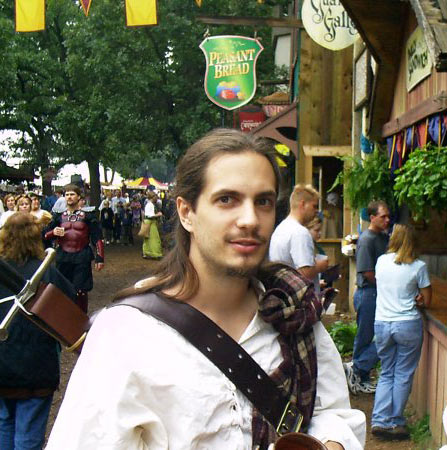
[225, 199]
[265, 202]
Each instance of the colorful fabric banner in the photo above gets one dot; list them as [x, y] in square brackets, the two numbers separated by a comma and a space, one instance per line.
[141, 13]
[431, 130]
[422, 133]
[86, 6]
[30, 15]
[437, 129]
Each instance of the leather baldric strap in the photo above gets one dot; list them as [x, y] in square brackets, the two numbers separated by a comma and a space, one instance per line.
[225, 353]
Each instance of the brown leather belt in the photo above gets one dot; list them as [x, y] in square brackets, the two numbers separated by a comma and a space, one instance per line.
[225, 353]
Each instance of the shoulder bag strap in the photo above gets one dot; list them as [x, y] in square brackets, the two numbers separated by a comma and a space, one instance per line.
[225, 353]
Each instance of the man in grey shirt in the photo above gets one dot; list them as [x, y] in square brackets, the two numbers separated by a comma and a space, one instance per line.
[372, 243]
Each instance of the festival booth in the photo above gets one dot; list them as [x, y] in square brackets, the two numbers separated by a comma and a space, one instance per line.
[144, 183]
[315, 122]
[16, 176]
[400, 100]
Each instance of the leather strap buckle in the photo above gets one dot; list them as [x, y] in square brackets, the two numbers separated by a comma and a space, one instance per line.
[291, 420]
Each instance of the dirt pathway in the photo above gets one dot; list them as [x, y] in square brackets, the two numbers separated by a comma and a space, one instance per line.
[124, 266]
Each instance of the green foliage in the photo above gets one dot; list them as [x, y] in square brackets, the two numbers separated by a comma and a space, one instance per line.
[366, 180]
[91, 89]
[343, 334]
[421, 183]
[420, 430]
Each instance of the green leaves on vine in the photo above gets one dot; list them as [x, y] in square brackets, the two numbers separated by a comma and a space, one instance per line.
[421, 183]
[366, 180]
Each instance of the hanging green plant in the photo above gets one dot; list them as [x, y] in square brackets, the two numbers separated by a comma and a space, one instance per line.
[366, 180]
[421, 183]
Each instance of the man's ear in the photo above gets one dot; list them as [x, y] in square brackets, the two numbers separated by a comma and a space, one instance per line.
[184, 211]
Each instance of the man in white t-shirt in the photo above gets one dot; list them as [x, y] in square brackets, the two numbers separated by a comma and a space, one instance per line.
[291, 241]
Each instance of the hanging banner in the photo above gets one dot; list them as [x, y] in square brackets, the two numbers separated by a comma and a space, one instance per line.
[328, 24]
[141, 13]
[86, 6]
[419, 63]
[30, 15]
[230, 78]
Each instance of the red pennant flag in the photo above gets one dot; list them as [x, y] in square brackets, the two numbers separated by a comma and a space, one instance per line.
[86, 6]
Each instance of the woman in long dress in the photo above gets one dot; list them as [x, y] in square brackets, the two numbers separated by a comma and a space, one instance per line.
[152, 244]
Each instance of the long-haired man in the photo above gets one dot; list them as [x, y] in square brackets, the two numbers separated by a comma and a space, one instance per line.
[147, 386]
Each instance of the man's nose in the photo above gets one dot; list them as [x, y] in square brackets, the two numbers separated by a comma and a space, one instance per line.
[248, 216]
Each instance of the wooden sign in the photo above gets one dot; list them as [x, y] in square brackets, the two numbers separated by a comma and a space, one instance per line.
[328, 24]
[419, 63]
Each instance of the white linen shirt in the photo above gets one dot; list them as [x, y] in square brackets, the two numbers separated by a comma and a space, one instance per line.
[138, 384]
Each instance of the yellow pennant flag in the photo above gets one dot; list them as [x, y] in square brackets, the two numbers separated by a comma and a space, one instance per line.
[30, 15]
[199, 3]
[141, 12]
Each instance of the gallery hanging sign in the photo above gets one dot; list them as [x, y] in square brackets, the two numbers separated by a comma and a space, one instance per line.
[230, 78]
[419, 63]
[328, 24]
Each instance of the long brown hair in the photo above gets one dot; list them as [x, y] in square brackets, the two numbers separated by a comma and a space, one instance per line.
[403, 243]
[21, 239]
[176, 268]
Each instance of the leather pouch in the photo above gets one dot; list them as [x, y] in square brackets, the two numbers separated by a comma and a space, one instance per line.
[298, 441]
[58, 316]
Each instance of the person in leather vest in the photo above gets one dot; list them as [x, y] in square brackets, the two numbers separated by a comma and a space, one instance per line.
[75, 229]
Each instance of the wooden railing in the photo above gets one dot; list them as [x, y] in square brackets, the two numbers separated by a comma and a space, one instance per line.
[429, 393]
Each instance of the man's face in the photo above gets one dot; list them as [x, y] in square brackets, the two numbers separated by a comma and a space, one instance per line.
[234, 216]
[72, 198]
[381, 221]
[35, 204]
[310, 210]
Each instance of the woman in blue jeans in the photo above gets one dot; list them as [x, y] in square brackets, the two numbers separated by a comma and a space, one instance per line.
[29, 358]
[403, 285]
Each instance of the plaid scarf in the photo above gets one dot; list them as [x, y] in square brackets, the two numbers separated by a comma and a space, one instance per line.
[292, 307]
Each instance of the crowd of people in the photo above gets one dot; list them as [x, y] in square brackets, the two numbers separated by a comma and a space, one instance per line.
[29, 358]
[150, 384]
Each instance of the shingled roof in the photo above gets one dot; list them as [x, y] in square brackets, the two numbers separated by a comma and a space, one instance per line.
[381, 26]
[13, 174]
[432, 18]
